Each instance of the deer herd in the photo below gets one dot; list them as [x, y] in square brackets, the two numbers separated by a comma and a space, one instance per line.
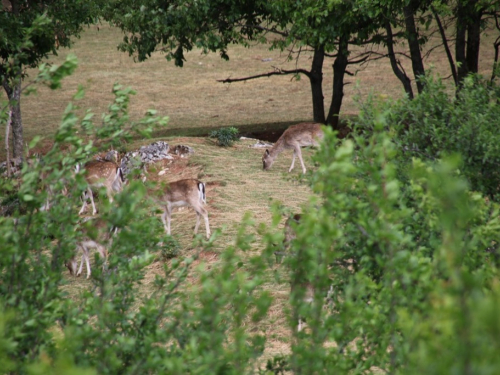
[107, 174]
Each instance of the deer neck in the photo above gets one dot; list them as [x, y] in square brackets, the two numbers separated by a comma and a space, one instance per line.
[278, 147]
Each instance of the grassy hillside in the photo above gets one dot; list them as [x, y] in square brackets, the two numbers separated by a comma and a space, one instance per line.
[194, 100]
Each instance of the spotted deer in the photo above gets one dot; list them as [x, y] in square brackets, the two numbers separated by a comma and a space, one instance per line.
[84, 248]
[99, 174]
[188, 192]
[295, 137]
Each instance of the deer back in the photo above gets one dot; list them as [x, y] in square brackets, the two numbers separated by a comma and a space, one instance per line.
[304, 134]
[100, 173]
[190, 191]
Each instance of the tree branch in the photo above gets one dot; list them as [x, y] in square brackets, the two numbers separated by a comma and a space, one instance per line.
[277, 71]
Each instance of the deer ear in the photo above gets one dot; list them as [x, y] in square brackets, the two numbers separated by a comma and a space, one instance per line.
[267, 151]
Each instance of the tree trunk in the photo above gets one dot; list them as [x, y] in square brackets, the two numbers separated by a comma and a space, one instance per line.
[473, 41]
[14, 96]
[412, 36]
[316, 80]
[468, 38]
[339, 69]
[446, 46]
[460, 43]
[405, 80]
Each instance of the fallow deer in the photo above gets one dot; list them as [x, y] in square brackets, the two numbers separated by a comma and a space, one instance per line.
[295, 137]
[84, 248]
[188, 192]
[101, 174]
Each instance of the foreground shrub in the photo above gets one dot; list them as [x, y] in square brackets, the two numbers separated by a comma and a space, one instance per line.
[408, 254]
[170, 248]
[112, 324]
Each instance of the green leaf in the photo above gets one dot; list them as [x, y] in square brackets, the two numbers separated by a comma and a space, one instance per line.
[35, 141]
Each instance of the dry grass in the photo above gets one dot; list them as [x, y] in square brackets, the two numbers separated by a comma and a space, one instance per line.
[192, 97]
[236, 184]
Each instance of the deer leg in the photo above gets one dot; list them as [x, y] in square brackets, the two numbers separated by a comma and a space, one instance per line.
[84, 205]
[166, 218]
[201, 211]
[94, 211]
[109, 192]
[293, 160]
[81, 265]
[198, 214]
[299, 154]
[87, 261]
[207, 225]
[301, 324]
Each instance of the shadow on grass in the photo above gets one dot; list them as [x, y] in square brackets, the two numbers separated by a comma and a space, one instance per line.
[269, 131]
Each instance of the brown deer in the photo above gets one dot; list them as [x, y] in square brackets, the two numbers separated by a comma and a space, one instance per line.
[188, 192]
[101, 174]
[295, 137]
[84, 248]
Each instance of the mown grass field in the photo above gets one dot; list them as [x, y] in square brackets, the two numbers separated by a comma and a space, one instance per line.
[193, 99]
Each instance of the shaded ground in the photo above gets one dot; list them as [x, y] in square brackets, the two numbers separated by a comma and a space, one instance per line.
[269, 132]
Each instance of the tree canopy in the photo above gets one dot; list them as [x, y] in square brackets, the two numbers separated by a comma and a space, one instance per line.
[30, 30]
[325, 29]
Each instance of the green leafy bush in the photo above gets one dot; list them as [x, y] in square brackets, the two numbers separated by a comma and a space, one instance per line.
[225, 136]
[405, 251]
[404, 255]
[438, 123]
[170, 248]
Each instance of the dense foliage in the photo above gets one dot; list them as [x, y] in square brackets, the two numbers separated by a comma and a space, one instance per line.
[410, 251]
[438, 123]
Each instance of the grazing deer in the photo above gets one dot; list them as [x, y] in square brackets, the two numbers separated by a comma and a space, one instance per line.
[295, 137]
[84, 248]
[189, 192]
[101, 174]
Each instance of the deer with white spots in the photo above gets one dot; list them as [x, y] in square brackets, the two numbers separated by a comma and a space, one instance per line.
[99, 174]
[295, 137]
[188, 192]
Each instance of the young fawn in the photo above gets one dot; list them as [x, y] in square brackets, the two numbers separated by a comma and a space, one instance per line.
[295, 137]
[188, 192]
